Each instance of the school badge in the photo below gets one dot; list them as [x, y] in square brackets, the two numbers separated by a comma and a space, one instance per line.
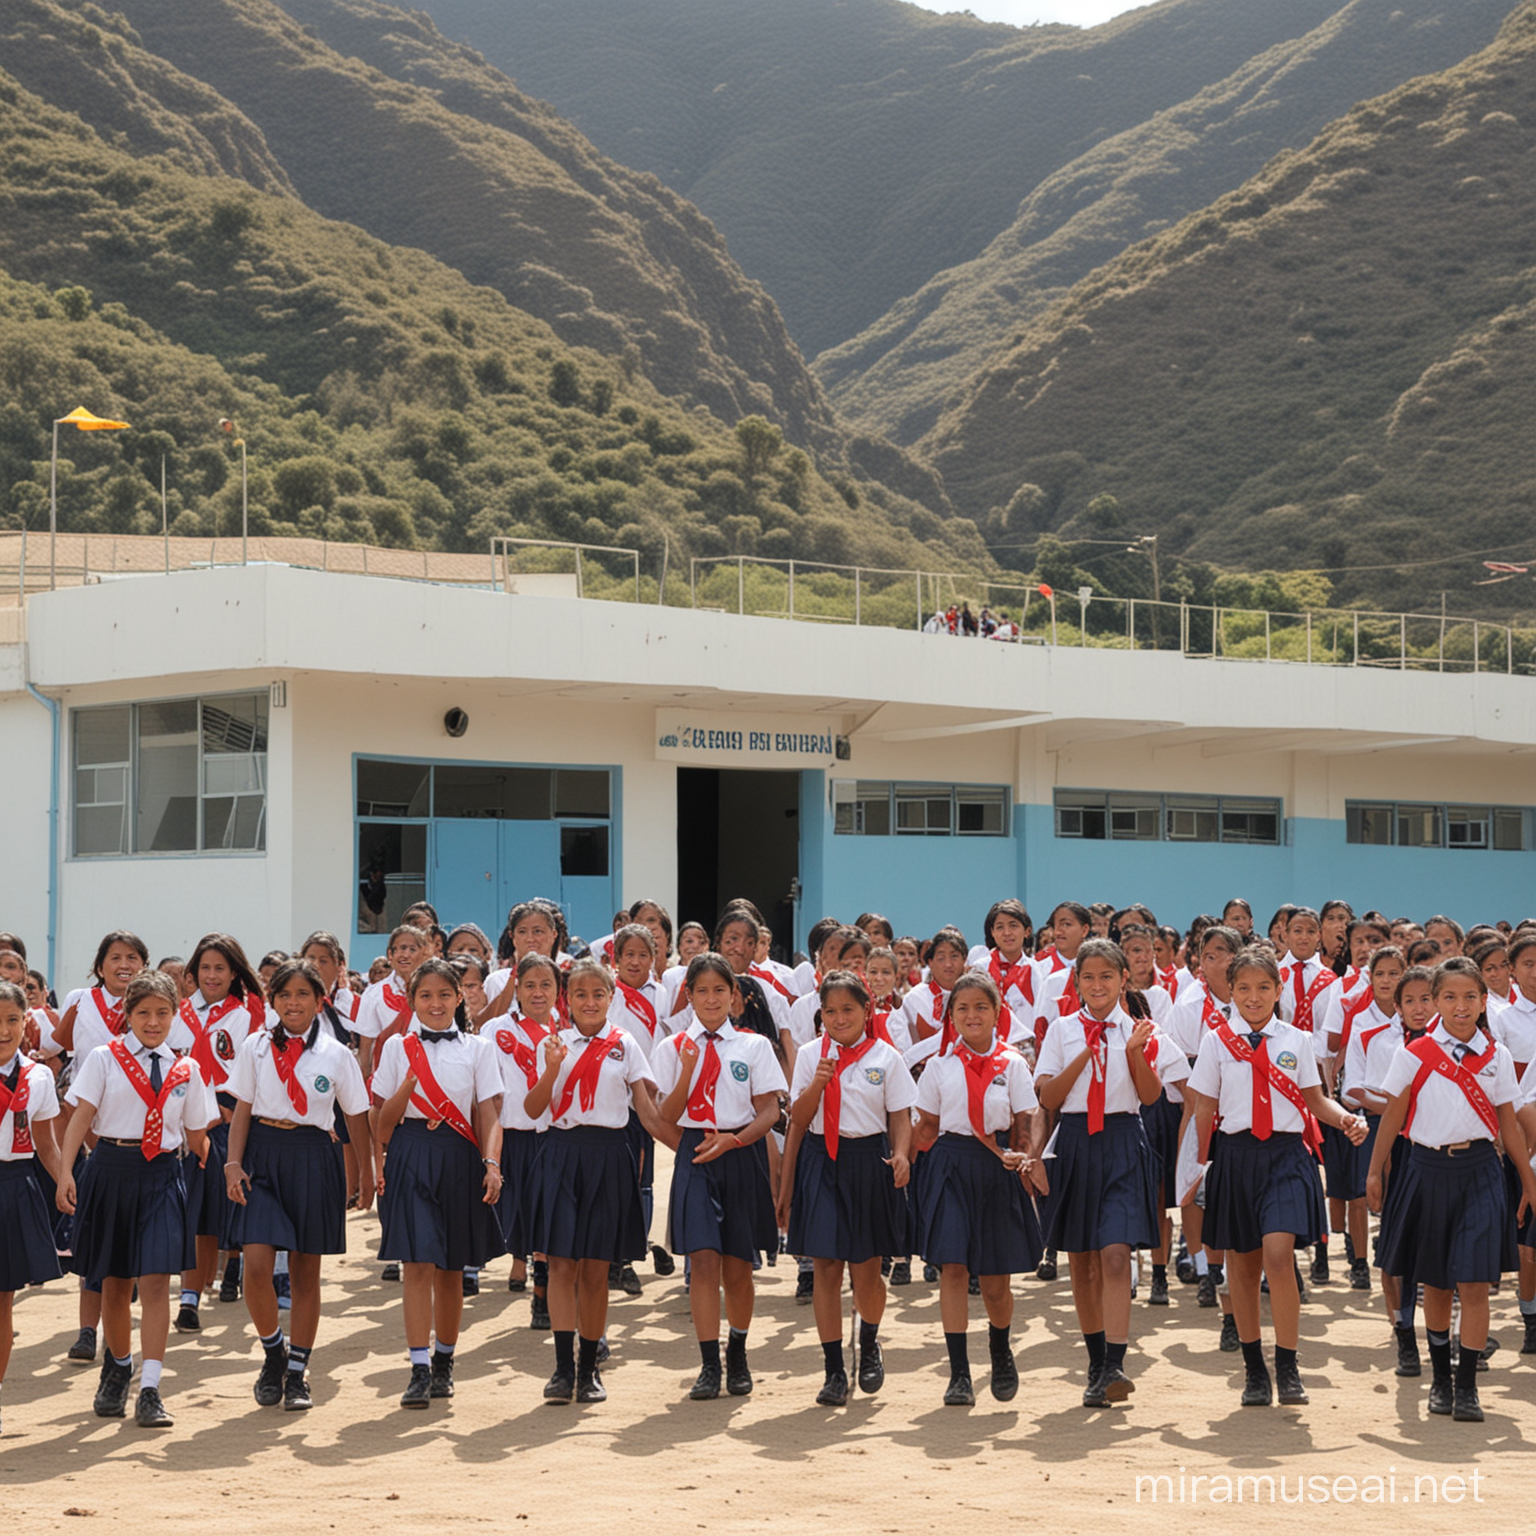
[224, 1045]
[740, 1071]
[874, 1076]
[322, 1084]
[1286, 1059]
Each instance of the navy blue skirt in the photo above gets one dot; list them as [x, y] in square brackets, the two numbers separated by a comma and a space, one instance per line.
[1344, 1167]
[1256, 1187]
[1161, 1120]
[209, 1207]
[27, 1252]
[724, 1206]
[519, 1168]
[297, 1199]
[586, 1196]
[130, 1216]
[1392, 1187]
[850, 1208]
[1103, 1188]
[1452, 1222]
[433, 1208]
[974, 1211]
[642, 1148]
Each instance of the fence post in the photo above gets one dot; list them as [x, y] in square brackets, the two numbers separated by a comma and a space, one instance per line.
[791, 589]
[1309, 637]
[365, 559]
[1356, 661]
[693, 581]
[1476, 649]
[1184, 625]
[1509, 657]
[741, 586]
[1267, 656]
[919, 576]
[579, 592]
[857, 606]
[637, 576]
[1130, 621]
[1402, 642]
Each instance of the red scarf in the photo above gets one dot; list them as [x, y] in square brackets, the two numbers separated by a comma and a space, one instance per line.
[1210, 1013]
[111, 1016]
[979, 1072]
[1434, 1058]
[15, 1102]
[398, 1003]
[585, 1073]
[1352, 1011]
[1052, 957]
[1098, 1069]
[286, 1050]
[1010, 973]
[203, 1053]
[1307, 996]
[764, 974]
[639, 1005]
[1266, 1075]
[701, 1096]
[154, 1118]
[432, 1101]
[527, 1057]
[879, 1025]
[1367, 1035]
[832, 1095]
[1170, 982]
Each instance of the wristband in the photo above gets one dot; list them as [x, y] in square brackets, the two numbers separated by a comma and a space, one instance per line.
[490, 1162]
[234, 1165]
[737, 1139]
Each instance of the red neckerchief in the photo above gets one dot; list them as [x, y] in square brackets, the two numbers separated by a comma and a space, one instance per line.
[832, 1095]
[214, 1071]
[979, 1072]
[764, 974]
[154, 1118]
[1367, 1035]
[15, 1102]
[1352, 1011]
[1098, 1068]
[1170, 982]
[398, 1003]
[285, 1057]
[1272, 1077]
[432, 1101]
[112, 1017]
[1052, 957]
[879, 1025]
[701, 1096]
[639, 1005]
[1210, 1014]
[588, 1068]
[1010, 973]
[348, 1011]
[1432, 1057]
[525, 1056]
[1307, 996]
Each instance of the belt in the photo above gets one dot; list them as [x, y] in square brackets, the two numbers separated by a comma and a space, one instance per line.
[122, 1141]
[1451, 1148]
[278, 1125]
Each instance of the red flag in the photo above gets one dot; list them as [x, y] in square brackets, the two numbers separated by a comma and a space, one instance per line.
[1044, 590]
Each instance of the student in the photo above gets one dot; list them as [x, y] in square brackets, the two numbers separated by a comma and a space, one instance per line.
[437, 1088]
[1334, 918]
[385, 1010]
[1262, 1195]
[877, 928]
[210, 1025]
[586, 1209]
[1070, 924]
[1277, 930]
[1453, 1093]
[978, 1126]
[1005, 957]
[882, 976]
[1446, 932]
[470, 939]
[1238, 915]
[807, 976]
[909, 960]
[847, 1161]
[1096, 1069]
[722, 1084]
[847, 949]
[142, 1104]
[535, 927]
[287, 1187]
[472, 971]
[924, 1008]
[29, 1106]
[1512, 1023]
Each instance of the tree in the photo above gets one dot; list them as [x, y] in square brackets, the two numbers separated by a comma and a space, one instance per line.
[75, 302]
[760, 443]
[565, 383]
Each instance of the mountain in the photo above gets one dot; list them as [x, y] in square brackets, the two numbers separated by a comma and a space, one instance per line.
[1330, 366]
[898, 375]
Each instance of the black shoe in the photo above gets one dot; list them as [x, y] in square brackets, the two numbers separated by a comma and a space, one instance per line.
[738, 1379]
[1442, 1396]
[560, 1388]
[1320, 1266]
[229, 1287]
[871, 1369]
[112, 1391]
[603, 1351]
[615, 1277]
[1005, 1376]
[834, 1391]
[419, 1390]
[590, 1389]
[1205, 1294]
[901, 1272]
[959, 1393]
[1230, 1343]
[629, 1283]
[296, 1396]
[1184, 1269]
[930, 1273]
[1489, 1350]
[391, 1272]
[1359, 1276]
[1257, 1392]
[1117, 1385]
[269, 1384]
[662, 1261]
[1288, 1386]
[805, 1288]
[538, 1314]
[1094, 1395]
[442, 1374]
[517, 1284]
[1301, 1285]
[1466, 1408]
[707, 1386]
[1529, 1347]
[973, 1286]
[1349, 1250]
[1158, 1295]
[150, 1411]
[471, 1282]
[187, 1321]
[83, 1350]
[1408, 1363]
[1046, 1268]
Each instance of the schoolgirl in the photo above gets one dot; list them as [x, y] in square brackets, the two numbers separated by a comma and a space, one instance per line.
[1277, 929]
[1004, 955]
[288, 1189]
[1141, 955]
[1491, 956]
[736, 941]
[1446, 932]
[923, 1008]
[908, 961]
[807, 975]
[1164, 1117]
[1070, 924]
[142, 1104]
[423, 915]
[472, 973]
[340, 1004]
[210, 1025]
[882, 976]
[1096, 1069]
[29, 1106]
[773, 975]
[1334, 918]
[847, 949]
[1263, 1199]
[437, 1088]
[1237, 914]
[722, 1085]
[1453, 1092]
[847, 1161]
[1100, 915]
[1166, 943]
[385, 1010]
[587, 1213]
[470, 939]
[979, 1128]
[1513, 1024]
[535, 927]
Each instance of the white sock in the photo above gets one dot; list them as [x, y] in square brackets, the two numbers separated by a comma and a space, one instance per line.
[1202, 1264]
[149, 1375]
[280, 1263]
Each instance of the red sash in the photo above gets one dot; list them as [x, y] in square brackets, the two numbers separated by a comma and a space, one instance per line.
[285, 1057]
[1302, 1017]
[764, 974]
[214, 1072]
[1006, 974]
[111, 1017]
[1068, 1003]
[979, 1072]
[525, 1056]
[1432, 1058]
[1210, 1014]
[701, 1096]
[1170, 982]
[16, 1103]
[399, 1003]
[432, 1101]
[832, 1095]
[879, 1026]
[154, 1118]
[639, 1005]
[1052, 957]
[1098, 1070]
[1352, 1011]
[1272, 1077]
[584, 1074]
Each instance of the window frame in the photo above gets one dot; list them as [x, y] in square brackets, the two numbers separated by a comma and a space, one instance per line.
[1070, 800]
[845, 793]
[1495, 820]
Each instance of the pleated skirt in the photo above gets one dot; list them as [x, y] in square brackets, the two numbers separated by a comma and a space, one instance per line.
[1392, 1189]
[846, 1208]
[1104, 1187]
[433, 1209]
[209, 1208]
[297, 1199]
[1257, 1187]
[27, 1252]
[586, 1200]
[974, 1211]
[724, 1206]
[130, 1216]
[1161, 1120]
[1452, 1221]
[519, 1167]
[1344, 1167]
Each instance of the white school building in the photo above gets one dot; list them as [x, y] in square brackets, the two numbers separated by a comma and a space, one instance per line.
[268, 750]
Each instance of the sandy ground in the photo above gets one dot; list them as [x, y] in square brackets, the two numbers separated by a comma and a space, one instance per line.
[900, 1461]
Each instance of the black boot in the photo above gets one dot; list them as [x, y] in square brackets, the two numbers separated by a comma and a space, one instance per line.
[1288, 1379]
[442, 1374]
[834, 1391]
[269, 1384]
[1005, 1371]
[418, 1391]
[112, 1391]
[738, 1378]
[1408, 1363]
[150, 1412]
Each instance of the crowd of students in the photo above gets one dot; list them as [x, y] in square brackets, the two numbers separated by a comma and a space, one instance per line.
[984, 1109]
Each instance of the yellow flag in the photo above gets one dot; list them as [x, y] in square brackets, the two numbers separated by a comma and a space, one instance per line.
[82, 418]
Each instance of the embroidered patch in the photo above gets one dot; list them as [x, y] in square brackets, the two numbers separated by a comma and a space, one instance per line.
[874, 1076]
[223, 1045]
[616, 1054]
[740, 1071]
[179, 1091]
[1001, 1080]
[322, 1084]
[1286, 1060]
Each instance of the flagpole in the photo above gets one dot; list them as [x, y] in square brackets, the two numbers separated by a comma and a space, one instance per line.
[53, 514]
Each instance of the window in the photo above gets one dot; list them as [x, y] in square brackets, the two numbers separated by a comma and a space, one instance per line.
[481, 791]
[1502, 828]
[172, 776]
[1134, 817]
[583, 851]
[880, 808]
[392, 872]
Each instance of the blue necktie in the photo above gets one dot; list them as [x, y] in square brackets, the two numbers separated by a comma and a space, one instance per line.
[156, 1077]
[1256, 1038]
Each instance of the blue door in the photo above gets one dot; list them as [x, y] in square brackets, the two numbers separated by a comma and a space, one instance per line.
[586, 878]
[465, 885]
[529, 866]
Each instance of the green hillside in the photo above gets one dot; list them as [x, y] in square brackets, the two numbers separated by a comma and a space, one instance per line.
[898, 376]
[1331, 366]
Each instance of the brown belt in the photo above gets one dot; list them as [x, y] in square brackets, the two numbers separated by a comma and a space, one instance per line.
[278, 1125]
[1451, 1148]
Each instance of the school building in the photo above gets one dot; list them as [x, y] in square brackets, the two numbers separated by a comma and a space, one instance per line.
[269, 750]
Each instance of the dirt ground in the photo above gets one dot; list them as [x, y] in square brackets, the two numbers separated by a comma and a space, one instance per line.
[896, 1462]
